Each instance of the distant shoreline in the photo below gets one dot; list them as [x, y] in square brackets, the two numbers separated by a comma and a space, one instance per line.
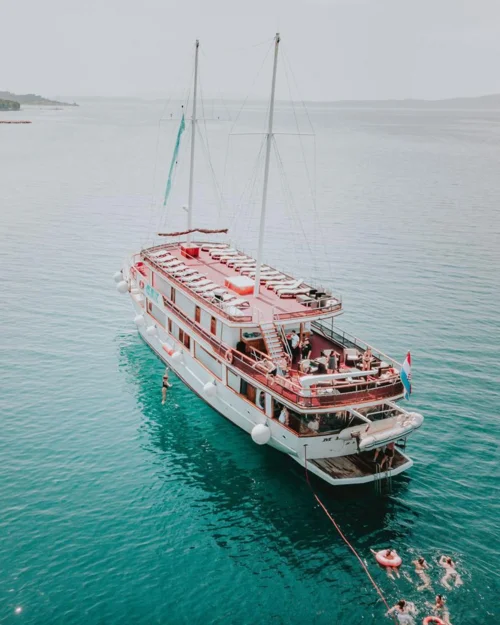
[32, 99]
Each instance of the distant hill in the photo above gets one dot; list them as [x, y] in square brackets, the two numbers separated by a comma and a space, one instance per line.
[31, 98]
[9, 105]
[479, 102]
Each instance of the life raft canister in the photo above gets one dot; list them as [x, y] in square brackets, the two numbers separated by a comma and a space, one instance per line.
[433, 620]
[381, 558]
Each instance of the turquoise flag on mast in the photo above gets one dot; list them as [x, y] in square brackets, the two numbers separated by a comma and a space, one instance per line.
[174, 159]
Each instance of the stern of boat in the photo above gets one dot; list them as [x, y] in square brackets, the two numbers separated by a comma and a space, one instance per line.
[358, 468]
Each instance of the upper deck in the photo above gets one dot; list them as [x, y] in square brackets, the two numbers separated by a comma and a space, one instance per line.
[206, 277]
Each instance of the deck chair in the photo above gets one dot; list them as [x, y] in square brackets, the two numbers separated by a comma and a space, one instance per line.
[206, 247]
[274, 285]
[244, 263]
[205, 289]
[203, 282]
[192, 279]
[178, 269]
[218, 252]
[226, 257]
[296, 284]
[158, 253]
[237, 259]
[293, 292]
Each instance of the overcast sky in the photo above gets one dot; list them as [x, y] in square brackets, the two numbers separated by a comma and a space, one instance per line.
[338, 49]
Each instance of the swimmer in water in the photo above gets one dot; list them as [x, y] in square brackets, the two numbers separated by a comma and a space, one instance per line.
[420, 568]
[165, 385]
[451, 572]
[403, 611]
[441, 610]
[389, 555]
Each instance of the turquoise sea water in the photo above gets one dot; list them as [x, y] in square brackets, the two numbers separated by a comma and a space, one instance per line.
[115, 509]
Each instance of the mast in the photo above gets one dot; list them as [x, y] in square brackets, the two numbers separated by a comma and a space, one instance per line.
[269, 140]
[193, 137]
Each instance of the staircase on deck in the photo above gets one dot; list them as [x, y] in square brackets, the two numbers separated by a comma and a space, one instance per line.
[273, 343]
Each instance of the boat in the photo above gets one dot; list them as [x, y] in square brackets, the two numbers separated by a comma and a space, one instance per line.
[263, 347]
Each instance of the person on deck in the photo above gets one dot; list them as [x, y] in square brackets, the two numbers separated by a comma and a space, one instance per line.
[420, 568]
[314, 424]
[388, 457]
[306, 349]
[451, 572]
[333, 363]
[294, 344]
[165, 385]
[367, 359]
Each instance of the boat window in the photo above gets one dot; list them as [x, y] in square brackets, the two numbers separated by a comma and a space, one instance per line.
[213, 325]
[233, 381]
[181, 335]
[197, 314]
[157, 314]
[170, 325]
[172, 294]
[187, 341]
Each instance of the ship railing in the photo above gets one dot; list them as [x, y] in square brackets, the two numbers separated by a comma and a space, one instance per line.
[261, 368]
[348, 340]
[323, 305]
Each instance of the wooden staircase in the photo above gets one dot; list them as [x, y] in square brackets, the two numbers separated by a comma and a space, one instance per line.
[273, 343]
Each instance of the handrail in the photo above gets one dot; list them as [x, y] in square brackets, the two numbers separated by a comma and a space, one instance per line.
[347, 339]
[286, 388]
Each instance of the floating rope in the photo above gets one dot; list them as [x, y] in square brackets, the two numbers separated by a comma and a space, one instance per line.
[335, 524]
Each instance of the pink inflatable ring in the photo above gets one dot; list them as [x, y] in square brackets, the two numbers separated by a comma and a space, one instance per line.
[433, 620]
[383, 560]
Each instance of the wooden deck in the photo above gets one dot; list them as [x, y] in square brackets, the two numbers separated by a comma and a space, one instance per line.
[358, 465]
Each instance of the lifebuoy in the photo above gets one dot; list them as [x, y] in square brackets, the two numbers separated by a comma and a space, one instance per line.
[381, 558]
[141, 284]
[433, 620]
[229, 356]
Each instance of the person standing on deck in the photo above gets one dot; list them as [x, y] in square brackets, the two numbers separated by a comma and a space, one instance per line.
[332, 362]
[294, 344]
[165, 385]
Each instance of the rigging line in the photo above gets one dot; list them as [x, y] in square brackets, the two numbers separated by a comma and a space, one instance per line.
[290, 195]
[219, 92]
[344, 538]
[218, 195]
[285, 56]
[250, 183]
[311, 189]
[241, 109]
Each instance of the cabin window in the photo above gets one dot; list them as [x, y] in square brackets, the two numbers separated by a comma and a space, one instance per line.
[172, 294]
[197, 314]
[149, 306]
[207, 360]
[233, 381]
[181, 335]
[213, 325]
[170, 326]
[251, 393]
[187, 341]
[157, 314]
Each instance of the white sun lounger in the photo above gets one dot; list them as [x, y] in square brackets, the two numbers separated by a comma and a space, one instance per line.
[276, 284]
[203, 282]
[237, 259]
[192, 279]
[158, 253]
[288, 287]
[186, 273]
[205, 289]
[225, 258]
[206, 247]
[244, 263]
[293, 292]
[179, 269]
[218, 252]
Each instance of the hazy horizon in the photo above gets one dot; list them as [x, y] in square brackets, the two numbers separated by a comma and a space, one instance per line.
[332, 49]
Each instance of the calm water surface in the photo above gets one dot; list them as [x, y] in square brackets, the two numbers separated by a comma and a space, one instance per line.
[115, 509]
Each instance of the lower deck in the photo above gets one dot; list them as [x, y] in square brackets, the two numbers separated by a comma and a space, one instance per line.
[361, 465]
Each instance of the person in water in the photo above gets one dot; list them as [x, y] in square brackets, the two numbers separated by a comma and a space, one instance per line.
[165, 385]
[403, 611]
[441, 610]
[451, 572]
[420, 568]
[390, 554]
